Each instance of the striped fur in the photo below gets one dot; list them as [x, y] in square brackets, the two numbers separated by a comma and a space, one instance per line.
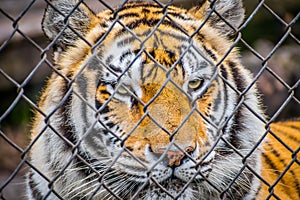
[281, 158]
[148, 106]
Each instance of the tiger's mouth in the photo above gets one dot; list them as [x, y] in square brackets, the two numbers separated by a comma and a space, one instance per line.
[187, 178]
[171, 188]
[181, 183]
[189, 171]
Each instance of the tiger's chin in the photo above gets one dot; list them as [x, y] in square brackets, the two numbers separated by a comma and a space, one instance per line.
[186, 181]
[171, 188]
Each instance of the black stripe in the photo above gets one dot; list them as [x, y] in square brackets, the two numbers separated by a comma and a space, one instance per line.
[224, 72]
[109, 59]
[129, 15]
[190, 56]
[105, 92]
[295, 127]
[99, 37]
[289, 135]
[235, 129]
[158, 41]
[296, 181]
[139, 5]
[124, 55]
[273, 167]
[68, 131]
[146, 10]
[65, 127]
[224, 89]
[237, 76]
[150, 23]
[182, 69]
[278, 155]
[33, 188]
[218, 100]
[98, 104]
[115, 68]
[110, 125]
[237, 125]
[270, 163]
[210, 53]
[198, 6]
[296, 176]
[200, 36]
[106, 82]
[105, 110]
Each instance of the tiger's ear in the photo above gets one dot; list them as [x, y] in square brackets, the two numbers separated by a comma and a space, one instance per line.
[61, 12]
[231, 10]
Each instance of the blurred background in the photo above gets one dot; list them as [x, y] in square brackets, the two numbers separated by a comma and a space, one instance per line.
[22, 45]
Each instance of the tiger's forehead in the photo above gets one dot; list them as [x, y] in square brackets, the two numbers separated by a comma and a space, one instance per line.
[147, 39]
[141, 35]
[157, 58]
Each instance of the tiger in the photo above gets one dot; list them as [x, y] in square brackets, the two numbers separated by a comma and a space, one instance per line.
[151, 101]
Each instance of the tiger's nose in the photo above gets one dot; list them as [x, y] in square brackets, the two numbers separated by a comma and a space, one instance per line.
[175, 157]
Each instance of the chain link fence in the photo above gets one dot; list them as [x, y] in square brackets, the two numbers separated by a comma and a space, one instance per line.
[269, 41]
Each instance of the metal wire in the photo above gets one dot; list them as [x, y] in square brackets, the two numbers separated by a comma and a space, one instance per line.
[21, 89]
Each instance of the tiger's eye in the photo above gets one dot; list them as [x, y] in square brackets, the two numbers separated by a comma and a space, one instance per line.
[122, 90]
[195, 84]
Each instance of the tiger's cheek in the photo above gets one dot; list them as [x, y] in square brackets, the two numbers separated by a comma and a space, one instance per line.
[205, 103]
[204, 107]
[136, 113]
[137, 146]
[193, 131]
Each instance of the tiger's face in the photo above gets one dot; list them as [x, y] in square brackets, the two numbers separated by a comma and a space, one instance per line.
[152, 100]
[152, 103]
[151, 107]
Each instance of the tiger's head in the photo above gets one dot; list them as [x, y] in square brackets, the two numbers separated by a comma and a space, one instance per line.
[155, 99]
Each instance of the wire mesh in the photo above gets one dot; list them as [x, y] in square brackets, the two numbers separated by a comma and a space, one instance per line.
[23, 76]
